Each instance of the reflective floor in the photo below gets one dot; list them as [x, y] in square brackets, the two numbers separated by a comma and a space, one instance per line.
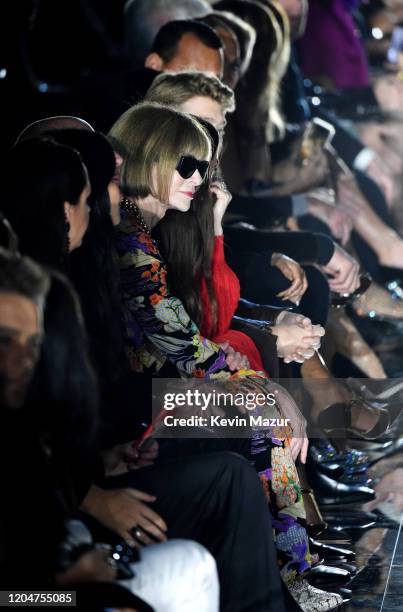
[378, 586]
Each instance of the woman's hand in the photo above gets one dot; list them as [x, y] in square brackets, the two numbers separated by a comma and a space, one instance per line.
[221, 204]
[297, 337]
[122, 510]
[299, 447]
[300, 179]
[122, 458]
[95, 565]
[289, 409]
[295, 273]
[337, 218]
[344, 271]
[235, 361]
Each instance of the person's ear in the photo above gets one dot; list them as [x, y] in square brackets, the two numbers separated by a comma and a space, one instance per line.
[67, 211]
[154, 61]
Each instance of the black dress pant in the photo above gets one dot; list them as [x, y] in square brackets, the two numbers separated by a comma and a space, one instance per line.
[217, 500]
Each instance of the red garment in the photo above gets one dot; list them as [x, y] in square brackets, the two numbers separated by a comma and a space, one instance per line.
[228, 292]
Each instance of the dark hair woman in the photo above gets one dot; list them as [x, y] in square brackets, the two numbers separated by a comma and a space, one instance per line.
[45, 192]
[51, 174]
[94, 267]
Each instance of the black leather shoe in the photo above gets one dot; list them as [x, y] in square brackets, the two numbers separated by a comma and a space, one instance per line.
[355, 523]
[326, 574]
[349, 567]
[326, 453]
[326, 533]
[337, 471]
[329, 492]
[330, 552]
[344, 592]
[358, 519]
[355, 530]
[333, 470]
[361, 479]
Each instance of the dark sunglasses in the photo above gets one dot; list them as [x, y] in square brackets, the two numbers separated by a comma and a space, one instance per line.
[187, 166]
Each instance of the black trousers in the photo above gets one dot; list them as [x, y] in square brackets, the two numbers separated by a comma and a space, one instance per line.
[217, 500]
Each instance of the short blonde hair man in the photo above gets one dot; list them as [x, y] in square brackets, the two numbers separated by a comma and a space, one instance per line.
[174, 89]
[147, 134]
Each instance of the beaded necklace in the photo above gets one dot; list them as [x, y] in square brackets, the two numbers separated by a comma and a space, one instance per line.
[132, 208]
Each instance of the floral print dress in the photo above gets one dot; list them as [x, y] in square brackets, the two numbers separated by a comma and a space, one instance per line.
[158, 329]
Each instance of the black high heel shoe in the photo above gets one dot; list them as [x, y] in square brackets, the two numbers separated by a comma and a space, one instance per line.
[337, 418]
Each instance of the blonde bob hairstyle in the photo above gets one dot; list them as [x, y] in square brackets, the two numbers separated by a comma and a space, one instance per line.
[151, 137]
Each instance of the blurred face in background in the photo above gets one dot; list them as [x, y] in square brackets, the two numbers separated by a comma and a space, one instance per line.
[297, 11]
[206, 108]
[232, 55]
[20, 341]
[191, 54]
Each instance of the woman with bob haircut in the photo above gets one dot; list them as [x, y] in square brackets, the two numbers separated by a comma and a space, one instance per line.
[166, 159]
[157, 144]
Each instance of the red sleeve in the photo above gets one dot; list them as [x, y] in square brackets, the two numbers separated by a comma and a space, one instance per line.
[227, 291]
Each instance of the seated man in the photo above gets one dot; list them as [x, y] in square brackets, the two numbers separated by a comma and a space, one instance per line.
[143, 19]
[179, 45]
[191, 45]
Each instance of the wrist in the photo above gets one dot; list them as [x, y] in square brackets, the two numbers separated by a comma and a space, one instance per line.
[280, 317]
[93, 500]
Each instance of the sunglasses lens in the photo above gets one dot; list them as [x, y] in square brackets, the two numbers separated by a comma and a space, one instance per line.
[203, 167]
[188, 165]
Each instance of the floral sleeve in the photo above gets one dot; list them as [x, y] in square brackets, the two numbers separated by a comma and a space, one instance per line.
[153, 315]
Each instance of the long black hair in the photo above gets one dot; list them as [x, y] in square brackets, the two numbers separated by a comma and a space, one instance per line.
[39, 177]
[186, 242]
[64, 386]
[94, 267]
